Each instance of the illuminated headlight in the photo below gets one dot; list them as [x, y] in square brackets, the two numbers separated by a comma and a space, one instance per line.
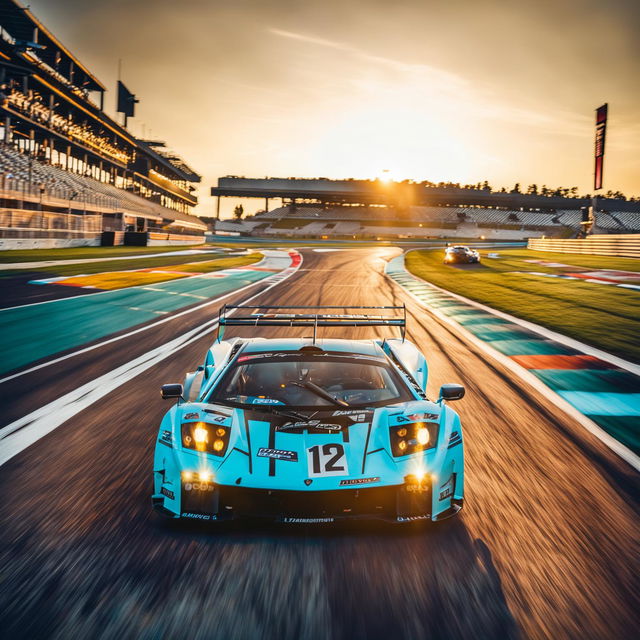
[205, 437]
[417, 482]
[412, 438]
[197, 481]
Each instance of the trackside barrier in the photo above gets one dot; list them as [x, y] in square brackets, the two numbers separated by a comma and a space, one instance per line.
[623, 246]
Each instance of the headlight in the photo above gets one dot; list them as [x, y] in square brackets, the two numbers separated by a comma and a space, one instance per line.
[209, 438]
[412, 438]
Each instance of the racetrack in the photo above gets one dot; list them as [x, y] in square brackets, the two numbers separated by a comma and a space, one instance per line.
[547, 545]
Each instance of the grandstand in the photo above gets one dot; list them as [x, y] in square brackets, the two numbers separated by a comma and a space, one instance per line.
[371, 209]
[68, 171]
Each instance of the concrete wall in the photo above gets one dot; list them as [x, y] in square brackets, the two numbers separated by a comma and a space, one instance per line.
[624, 246]
[47, 243]
[156, 239]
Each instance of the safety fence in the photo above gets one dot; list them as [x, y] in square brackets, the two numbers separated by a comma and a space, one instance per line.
[624, 246]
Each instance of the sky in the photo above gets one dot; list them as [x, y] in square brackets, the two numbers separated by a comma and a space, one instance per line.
[439, 90]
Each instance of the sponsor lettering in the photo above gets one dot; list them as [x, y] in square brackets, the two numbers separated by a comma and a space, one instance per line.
[344, 483]
[167, 436]
[191, 416]
[424, 416]
[446, 490]
[198, 516]
[446, 493]
[328, 426]
[277, 454]
[355, 416]
[411, 518]
[167, 492]
[308, 520]
[310, 424]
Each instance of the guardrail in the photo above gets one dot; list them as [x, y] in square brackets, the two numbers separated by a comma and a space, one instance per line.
[623, 246]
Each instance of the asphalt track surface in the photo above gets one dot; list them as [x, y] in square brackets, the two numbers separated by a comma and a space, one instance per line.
[546, 546]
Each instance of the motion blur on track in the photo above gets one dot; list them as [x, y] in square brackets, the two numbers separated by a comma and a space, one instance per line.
[546, 546]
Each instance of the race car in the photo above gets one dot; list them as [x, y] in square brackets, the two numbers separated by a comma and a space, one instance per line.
[309, 430]
[461, 254]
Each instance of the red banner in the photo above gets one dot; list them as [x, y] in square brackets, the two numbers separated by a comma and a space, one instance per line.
[601, 128]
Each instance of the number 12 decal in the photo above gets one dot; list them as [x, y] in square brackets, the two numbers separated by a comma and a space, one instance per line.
[327, 460]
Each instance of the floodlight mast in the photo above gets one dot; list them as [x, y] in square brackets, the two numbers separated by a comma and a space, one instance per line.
[282, 316]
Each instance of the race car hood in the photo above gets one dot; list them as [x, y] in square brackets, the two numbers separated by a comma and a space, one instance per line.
[334, 449]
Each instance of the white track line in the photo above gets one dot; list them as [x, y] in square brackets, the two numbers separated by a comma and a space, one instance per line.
[138, 286]
[140, 329]
[617, 447]
[16, 266]
[21, 433]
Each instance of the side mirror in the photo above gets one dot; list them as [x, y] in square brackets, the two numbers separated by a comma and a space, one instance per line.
[171, 391]
[451, 392]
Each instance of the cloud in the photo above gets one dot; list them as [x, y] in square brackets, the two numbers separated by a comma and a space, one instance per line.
[322, 42]
[433, 83]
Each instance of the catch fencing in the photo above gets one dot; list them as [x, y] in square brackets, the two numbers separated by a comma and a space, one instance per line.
[623, 246]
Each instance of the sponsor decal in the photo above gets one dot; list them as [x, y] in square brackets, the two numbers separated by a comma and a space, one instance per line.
[198, 516]
[308, 520]
[198, 486]
[309, 424]
[446, 490]
[216, 417]
[277, 454]
[411, 518]
[345, 483]
[308, 481]
[167, 436]
[415, 417]
[191, 416]
[354, 415]
[167, 492]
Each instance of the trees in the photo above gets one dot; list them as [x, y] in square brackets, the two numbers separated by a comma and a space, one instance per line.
[238, 212]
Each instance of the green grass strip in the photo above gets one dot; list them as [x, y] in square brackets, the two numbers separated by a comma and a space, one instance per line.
[607, 317]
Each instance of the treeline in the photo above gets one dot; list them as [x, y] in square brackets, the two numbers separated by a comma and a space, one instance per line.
[532, 189]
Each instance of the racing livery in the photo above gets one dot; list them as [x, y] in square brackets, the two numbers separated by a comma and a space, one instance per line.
[309, 430]
[461, 254]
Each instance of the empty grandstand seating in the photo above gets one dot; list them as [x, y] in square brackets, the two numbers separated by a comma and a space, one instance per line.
[20, 173]
[301, 220]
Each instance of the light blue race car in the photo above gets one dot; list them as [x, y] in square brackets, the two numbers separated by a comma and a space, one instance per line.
[308, 430]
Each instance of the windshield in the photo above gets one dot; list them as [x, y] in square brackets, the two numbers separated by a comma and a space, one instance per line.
[308, 381]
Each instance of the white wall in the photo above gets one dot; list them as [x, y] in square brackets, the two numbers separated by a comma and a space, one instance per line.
[47, 243]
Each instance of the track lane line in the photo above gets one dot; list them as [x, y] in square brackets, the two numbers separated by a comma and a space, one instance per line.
[139, 329]
[22, 433]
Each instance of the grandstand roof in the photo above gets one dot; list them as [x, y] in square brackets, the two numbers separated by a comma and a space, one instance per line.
[377, 192]
[169, 160]
[21, 24]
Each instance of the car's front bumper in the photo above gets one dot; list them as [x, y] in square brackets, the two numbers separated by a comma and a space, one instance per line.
[391, 503]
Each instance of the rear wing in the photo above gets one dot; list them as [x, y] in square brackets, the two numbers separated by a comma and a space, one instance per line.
[310, 316]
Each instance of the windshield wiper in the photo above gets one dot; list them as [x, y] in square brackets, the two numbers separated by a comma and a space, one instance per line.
[319, 391]
[285, 413]
[269, 408]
